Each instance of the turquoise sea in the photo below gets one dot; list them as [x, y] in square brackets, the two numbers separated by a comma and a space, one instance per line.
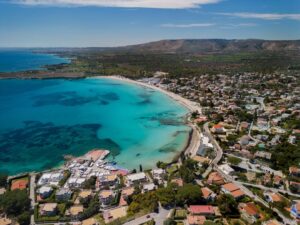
[42, 120]
[12, 60]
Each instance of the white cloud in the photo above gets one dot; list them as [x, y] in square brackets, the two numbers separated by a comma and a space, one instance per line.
[162, 4]
[263, 16]
[191, 25]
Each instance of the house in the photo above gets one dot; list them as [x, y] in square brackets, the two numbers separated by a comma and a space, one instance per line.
[295, 210]
[177, 181]
[201, 210]
[273, 197]
[272, 222]
[136, 178]
[232, 190]
[294, 171]
[106, 197]
[244, 126]
[75, 211]
[20, 184]
[218, 129]
[215, 178]
[295, 186]
[195, 220]
[148, 187]
[208, 194]
[75, 182]
[5, 221]
[63, 194]
[244, 140]
[225, 168]
[109, 180]
[85, 194]
[90, 221]
[126, 192]
[201, 160]
[158, 174]
[52, 178]
[48, 209]
[45, 191]
[263, 154]
[113, 214]
[249, 212]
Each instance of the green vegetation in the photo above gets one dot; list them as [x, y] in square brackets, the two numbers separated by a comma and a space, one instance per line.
[187, 170]
[147, 202]
[180, 214]
[90, 183]
[234, 160]
[67, 174]
[227, 205]
[16, 204]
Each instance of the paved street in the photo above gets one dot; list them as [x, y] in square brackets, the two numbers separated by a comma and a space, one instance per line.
[158, 217]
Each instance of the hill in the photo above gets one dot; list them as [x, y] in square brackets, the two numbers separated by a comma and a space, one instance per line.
[212, 46]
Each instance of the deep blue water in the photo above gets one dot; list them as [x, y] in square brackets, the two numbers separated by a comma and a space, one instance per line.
[21, 60]
[42, 120]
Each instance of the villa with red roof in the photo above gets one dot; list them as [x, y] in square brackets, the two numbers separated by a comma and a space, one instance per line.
[203, 210]
[233, 190]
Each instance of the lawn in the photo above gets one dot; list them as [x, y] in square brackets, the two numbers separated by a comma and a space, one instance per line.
[180, 214]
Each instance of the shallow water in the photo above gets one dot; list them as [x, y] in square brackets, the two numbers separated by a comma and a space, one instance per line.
[42, 120]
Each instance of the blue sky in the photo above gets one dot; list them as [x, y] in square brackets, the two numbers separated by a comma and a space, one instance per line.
[81, 23]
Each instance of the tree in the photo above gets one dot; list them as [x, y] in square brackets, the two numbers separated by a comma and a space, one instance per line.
[169, 221]
[166, 196]
[90, 183]
[234, 160]
[227, 204]
[3, 180]
[15, 202]
[24, 218]
[188, 194]
[187, 170]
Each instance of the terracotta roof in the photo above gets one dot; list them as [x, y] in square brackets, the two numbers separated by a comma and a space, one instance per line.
[230, 187]
[275, 197]
[215, 178]
[217, 126]
[237, 193]
[201, 209]
[206, 192]
[250, 208]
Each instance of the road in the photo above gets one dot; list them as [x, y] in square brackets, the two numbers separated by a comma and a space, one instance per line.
[217, 159]
[255, 197]
[217, 149]
[32, 195]
[158, 217]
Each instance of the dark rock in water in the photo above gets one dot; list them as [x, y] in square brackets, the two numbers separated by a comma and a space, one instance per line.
[44, 144]
[138, 154]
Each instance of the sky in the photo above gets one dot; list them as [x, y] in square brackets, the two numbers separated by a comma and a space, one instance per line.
[103, 23]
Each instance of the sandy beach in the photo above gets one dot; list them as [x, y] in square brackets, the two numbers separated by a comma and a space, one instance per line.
[194, 142]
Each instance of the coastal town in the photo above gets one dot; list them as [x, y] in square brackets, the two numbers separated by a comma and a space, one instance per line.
[241, 165]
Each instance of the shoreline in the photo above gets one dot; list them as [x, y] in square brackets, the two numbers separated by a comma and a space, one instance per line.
[191, 144]
[193, 141]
